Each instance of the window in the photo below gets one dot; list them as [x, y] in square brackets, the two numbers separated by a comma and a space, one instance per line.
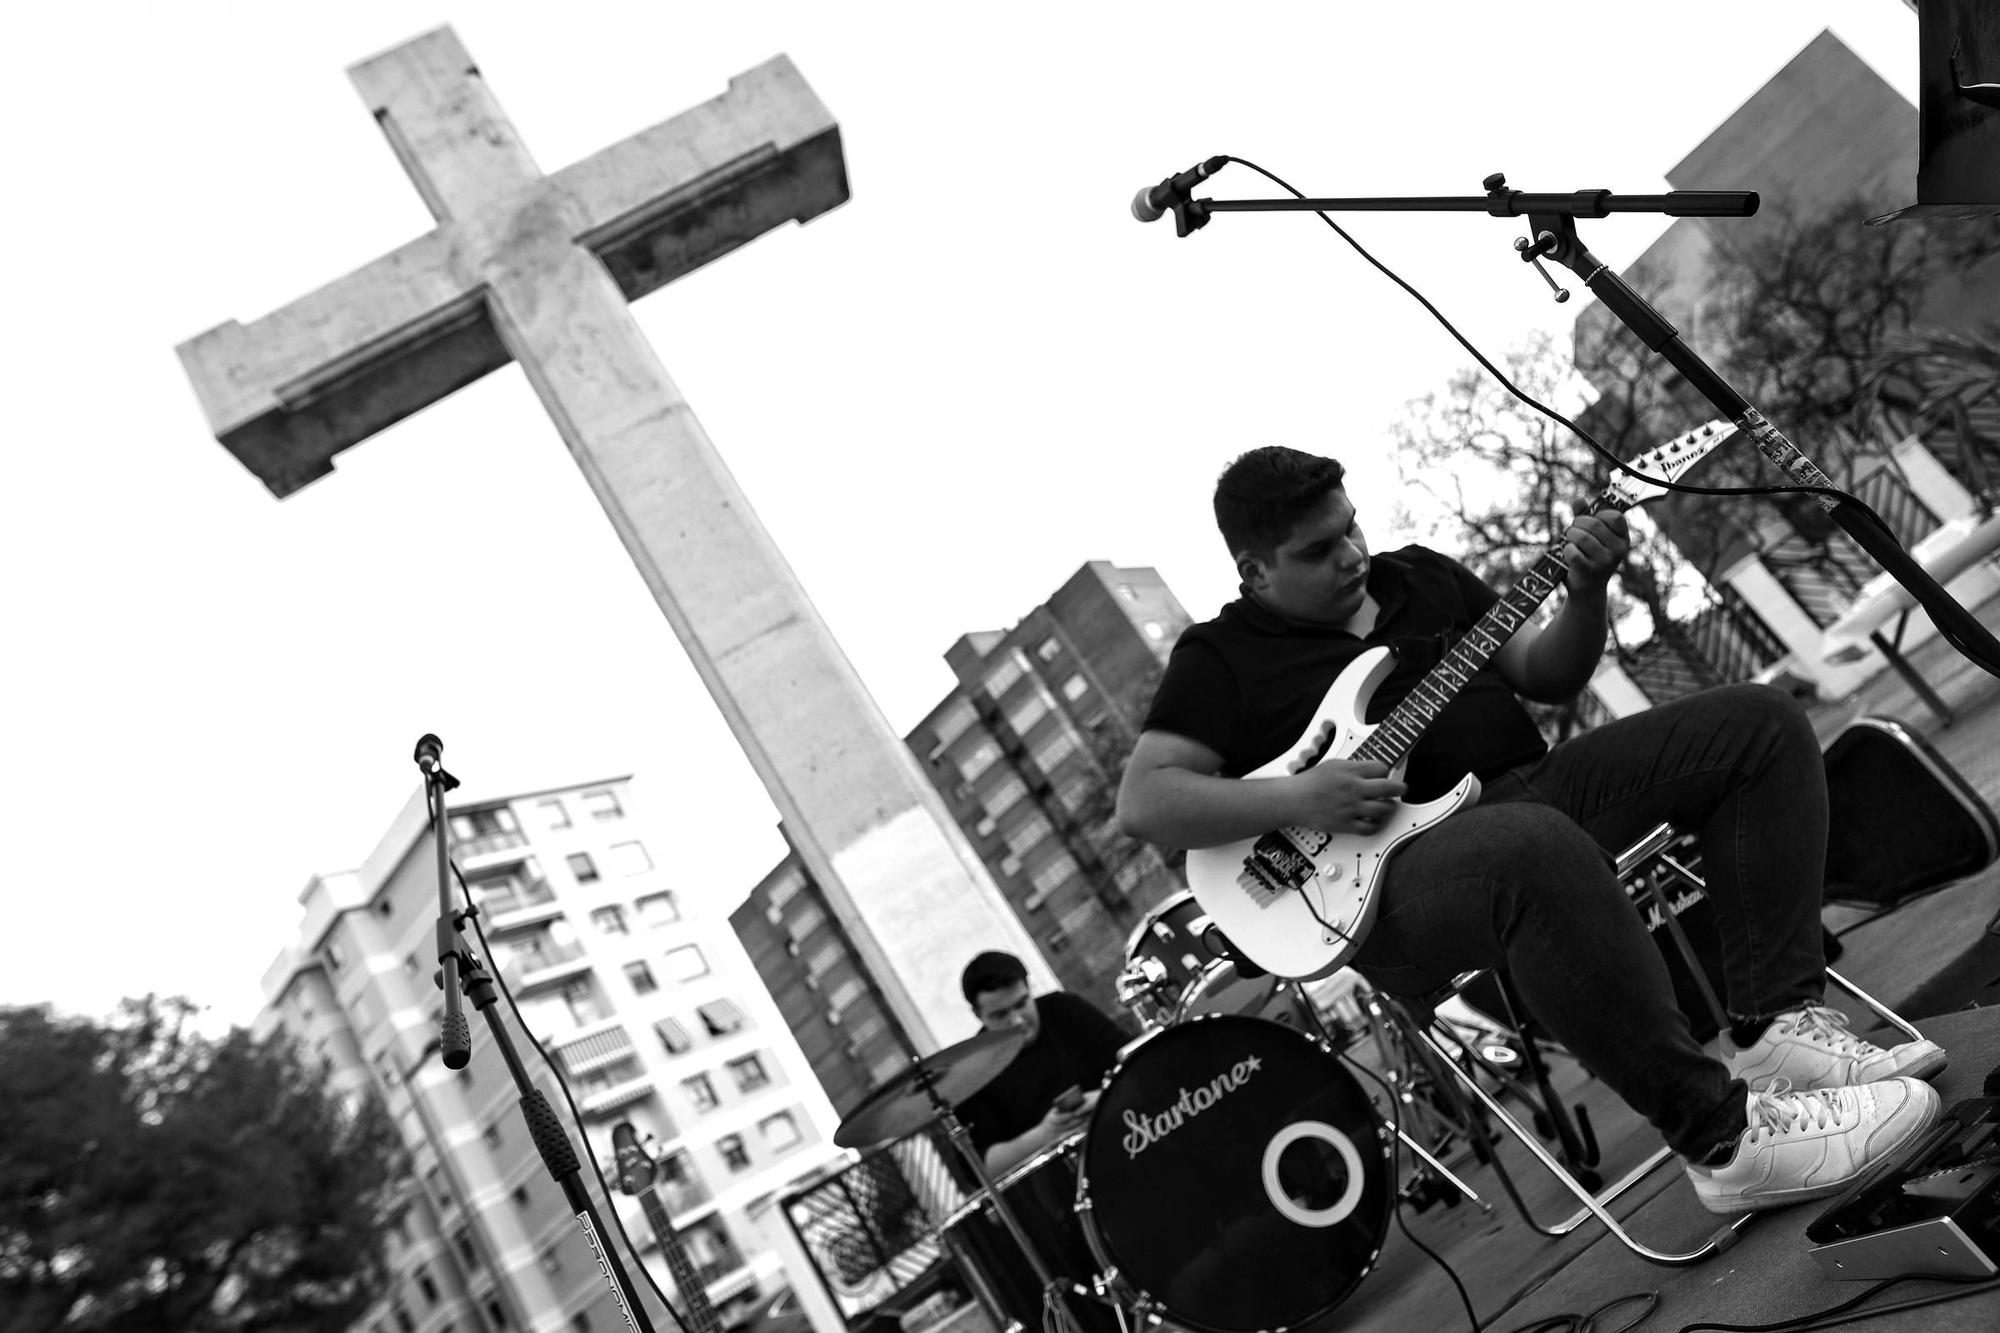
[434, 1177]
[552, 1259]
[953, 722]
[701, 1092]
[1078, 918]
[1053, 751]
[673, 1036]
[629, 858]
[687, 962]
[335, 959]
[780, 1131]
[467, 1251]
[602, 804]
[404, 1322]
[980, 758]
[1048, 648]
[1003, 795]
[824, 959]
[496, 1313]
[472, 824]
[641, 977]
[1075, 688]
[492, 1135]
[1022, 838]
[846, 993]
[749, 1073]
[582, 867]
[425, 1284]
[887, 1067]
[610, 920]
[807, 921]
[721, 1017]
[522, 1198]
[734, 1155]
[1050, 878]
[657, 909]
[554, 814]
[1002, 677]
[785, 888]
[1027, 713]
[1128, 592]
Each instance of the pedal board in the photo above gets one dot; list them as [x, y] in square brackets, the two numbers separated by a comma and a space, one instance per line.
[1933, 1211]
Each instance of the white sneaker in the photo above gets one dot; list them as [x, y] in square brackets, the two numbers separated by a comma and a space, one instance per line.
[1811, 1047]
[1813, 1143]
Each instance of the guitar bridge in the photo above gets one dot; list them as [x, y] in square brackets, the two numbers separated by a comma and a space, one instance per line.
[1278, 865]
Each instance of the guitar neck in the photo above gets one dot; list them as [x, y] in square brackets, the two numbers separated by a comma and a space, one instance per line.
[693, 1291]
[1398, 733]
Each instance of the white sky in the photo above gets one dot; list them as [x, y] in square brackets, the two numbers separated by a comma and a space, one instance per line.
[942, 397]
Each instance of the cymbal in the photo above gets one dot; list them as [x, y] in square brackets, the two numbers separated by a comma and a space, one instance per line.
[903, 1105]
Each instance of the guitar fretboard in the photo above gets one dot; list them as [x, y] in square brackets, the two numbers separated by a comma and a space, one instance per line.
[1399, 732]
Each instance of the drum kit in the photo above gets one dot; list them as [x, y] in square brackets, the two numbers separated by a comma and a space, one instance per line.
[1233, 1177]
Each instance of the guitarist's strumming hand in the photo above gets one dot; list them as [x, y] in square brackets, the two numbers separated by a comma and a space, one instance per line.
[1345, 796]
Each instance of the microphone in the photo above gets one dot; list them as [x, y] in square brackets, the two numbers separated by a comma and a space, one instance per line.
[1151, 203]
[430, 753]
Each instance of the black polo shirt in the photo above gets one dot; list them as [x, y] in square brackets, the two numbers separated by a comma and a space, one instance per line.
[1246, 684]
[1075, 1048]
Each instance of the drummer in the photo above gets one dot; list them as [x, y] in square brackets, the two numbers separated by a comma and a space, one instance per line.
[1071, 1047]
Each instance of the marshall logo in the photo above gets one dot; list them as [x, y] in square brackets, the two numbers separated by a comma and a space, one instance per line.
[1143, 1131]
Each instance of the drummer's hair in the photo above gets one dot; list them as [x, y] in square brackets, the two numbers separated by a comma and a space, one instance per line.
[990, 971]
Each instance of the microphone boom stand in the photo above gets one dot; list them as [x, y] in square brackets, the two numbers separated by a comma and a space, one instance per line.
[461, 969]
[1552, 220]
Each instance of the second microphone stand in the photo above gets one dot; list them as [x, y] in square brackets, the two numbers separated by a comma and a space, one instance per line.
[462, 970]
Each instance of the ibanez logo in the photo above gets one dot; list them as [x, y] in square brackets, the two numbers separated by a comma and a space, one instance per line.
[1142, 1131]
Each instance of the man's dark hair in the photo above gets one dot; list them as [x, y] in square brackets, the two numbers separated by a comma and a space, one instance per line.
[990, 971]
[1261, 496]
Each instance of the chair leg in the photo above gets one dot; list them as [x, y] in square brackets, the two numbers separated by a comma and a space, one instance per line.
[1593, 1204]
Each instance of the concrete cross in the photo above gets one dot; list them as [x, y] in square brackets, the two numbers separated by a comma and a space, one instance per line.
[539, 270]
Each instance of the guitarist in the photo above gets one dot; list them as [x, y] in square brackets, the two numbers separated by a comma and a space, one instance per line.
[1798, 1105]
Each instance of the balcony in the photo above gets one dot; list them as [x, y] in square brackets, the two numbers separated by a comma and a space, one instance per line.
[623, 1093]
[467, 851]
[510, 905]
[526, 969]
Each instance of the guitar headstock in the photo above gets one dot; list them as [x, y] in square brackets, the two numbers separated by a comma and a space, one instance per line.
[1669, 461]
[635, 1166]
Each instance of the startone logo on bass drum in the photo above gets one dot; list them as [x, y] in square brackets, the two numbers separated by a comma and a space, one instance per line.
[1143, 1130]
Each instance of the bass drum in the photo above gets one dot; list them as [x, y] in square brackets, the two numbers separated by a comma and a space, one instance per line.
[1236, 1175]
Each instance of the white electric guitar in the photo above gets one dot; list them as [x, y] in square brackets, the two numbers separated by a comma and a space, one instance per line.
[1298, 902]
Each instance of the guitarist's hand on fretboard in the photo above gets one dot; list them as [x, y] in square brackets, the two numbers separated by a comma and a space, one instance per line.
[1597, 544]
[1345, 796]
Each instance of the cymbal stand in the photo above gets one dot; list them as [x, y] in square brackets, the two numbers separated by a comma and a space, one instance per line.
[1053, 1297]
[1311, 1011]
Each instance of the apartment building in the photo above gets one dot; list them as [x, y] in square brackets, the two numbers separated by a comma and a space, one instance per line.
[645, 1004]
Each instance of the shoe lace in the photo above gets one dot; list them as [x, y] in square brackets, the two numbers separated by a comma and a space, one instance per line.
[1829, 1026]
[1780, 1110]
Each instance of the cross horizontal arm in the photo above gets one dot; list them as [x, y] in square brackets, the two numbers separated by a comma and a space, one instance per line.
[287, 392]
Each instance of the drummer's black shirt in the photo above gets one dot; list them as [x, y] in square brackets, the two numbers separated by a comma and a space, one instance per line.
[1075, 1047]
[1247, 683]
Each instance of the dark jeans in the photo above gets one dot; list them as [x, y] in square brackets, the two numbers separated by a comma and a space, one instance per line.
[1525, 880]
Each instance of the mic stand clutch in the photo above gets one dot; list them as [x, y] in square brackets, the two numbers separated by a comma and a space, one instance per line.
[460, 969]
[1552, 224]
